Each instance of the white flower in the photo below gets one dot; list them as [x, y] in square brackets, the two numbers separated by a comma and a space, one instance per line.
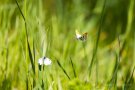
[44, 61]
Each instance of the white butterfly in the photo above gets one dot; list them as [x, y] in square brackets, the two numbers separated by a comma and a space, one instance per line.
[44, 61]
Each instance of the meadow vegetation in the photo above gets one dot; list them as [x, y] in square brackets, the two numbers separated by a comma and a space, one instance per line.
[31, 29]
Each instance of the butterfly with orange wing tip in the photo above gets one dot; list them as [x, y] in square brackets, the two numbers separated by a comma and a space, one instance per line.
[82, 37]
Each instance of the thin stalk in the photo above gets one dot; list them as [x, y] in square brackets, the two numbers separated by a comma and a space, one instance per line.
[84, 48]
[114, 76]
[129, 18]
[128, 81]
[34, 81]
[42, 85]
[27, 85]
[131, 75]
[26, 30]
[6, 69]
[97, 41]
[96, 71]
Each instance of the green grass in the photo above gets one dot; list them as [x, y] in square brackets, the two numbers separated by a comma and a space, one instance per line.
[30, 30]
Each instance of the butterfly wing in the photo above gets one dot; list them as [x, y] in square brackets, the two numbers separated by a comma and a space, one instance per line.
[78, 35]
[85, 35]
[40, 61]
[47, 61]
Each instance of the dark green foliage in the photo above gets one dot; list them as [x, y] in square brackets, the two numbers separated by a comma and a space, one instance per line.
[32, 29]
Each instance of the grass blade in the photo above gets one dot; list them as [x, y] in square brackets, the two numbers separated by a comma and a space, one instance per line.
[128, 80]
[34, 52]
[31, 59]
[117, 63]
[97, 41]
[27, 86]
[73, 67]
[6, 68]
[30, 54]
[42, 85]
[63, 69]
[131, 75]
[114, 76]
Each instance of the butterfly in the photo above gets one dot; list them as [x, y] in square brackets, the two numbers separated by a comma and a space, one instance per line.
[44, 61]
[82, 37]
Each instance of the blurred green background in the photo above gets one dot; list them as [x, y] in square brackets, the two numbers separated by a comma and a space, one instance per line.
[51, 26]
